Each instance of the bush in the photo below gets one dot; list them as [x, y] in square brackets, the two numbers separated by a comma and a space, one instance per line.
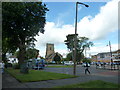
[86, 60]
[51, 63]
[8, 64]
[16, 66]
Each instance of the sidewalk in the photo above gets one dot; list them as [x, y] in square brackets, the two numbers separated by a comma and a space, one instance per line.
[10, 82]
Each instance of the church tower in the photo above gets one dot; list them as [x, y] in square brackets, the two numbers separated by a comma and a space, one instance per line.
[49, 49]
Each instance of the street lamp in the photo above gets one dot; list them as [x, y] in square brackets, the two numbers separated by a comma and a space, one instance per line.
[111, 55]
[74, 70]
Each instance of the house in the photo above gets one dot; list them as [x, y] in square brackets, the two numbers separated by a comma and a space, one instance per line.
[116, 56]
[94, 58]
[12, 59]
[104, 57]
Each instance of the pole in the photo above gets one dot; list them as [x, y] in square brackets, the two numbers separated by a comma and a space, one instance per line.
[75, 42]
[110, 54]
[74, 70]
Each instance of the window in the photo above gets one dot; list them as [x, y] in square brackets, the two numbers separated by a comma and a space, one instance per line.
[50, 48]
[102, 55]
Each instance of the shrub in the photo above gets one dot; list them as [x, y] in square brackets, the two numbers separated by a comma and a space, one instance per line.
[16, 66]
[9, 65]
[86, 60]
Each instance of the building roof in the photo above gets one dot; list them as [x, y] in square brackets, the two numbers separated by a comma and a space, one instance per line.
[51, 56]
[117, 51]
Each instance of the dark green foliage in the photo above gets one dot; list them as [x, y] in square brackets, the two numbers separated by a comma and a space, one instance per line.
[78, 56]
[57, 58]
[42, 57]
[32, 53]
[82, 44]
[69, 56]
[21, 22]
[65, 59]
[70, 41]
[9, 64]
[16, 66]
[86, 60]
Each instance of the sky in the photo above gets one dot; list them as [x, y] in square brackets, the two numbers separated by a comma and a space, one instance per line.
[99, 23]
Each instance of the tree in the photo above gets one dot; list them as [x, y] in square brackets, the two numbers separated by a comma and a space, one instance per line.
[31, 53]
[42, 57]
[69, 56]
[21, 22]
[7, 48]
[86, 60]
[57, 58]
[78, 56]
[82, 44]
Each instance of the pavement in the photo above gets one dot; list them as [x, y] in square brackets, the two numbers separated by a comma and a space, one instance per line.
[106, 75]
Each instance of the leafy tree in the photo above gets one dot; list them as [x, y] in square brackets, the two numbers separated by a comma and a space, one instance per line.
[69, 56]
[70, 41]
[21, 22]
[82, 44]
[57, 58]
[86, 60]
[7, 48]
[31, 53]
[78, 56]
[42, 57]
[64, 59]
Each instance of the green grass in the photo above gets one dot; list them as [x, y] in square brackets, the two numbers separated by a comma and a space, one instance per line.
[92, 84]
[59, 66]
[37, 75]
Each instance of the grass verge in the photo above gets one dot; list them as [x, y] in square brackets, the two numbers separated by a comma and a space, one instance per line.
[92, 84]
[37, 75]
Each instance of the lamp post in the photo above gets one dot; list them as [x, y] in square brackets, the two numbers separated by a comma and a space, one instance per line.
[111, 55]
[75, 42]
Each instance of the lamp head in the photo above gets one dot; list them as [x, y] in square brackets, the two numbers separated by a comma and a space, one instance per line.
[86, 5]
[83, 4]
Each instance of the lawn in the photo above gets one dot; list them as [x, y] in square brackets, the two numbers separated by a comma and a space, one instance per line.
[92, 84]
[37, 75]
[62, 66]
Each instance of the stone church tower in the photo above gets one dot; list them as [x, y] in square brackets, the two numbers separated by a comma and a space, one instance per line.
[49, 49]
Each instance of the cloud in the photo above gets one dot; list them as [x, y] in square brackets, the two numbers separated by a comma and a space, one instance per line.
[54, 34]
[104, 22]
[102, 48]
[95, 28]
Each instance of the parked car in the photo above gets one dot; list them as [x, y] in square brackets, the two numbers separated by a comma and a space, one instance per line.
[84, 65]
[38, 64]
[68, 63]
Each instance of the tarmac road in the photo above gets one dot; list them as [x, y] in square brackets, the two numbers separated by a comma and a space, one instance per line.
[96, 74]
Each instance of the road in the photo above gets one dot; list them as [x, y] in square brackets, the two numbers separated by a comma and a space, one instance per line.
[96, 74]
[81, 70]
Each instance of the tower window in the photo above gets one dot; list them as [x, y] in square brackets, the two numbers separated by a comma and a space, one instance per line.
[50, 48]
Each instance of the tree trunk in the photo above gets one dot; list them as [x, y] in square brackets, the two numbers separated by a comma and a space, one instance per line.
[4, 59]
[22, 58]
